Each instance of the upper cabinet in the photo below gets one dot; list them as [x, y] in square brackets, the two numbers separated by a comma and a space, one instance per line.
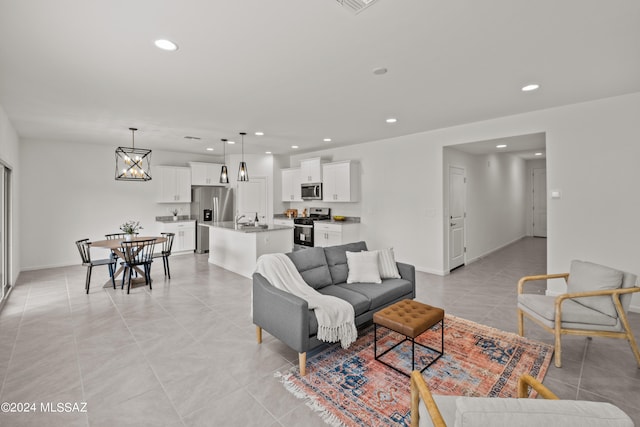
[205, 173]
[174, 184]
[341, 181]
[311, 170]
[291, 185]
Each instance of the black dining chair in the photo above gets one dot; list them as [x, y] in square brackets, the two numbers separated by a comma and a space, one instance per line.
[84, 247]
[139, 253]
[166, 252]
[116, 236]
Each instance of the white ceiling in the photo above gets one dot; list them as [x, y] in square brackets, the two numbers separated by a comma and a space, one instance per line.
[301, 71]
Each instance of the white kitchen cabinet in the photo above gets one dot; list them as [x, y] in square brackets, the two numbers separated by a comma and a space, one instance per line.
[174, 184]
[311, 170]
[331, 233]
[205, 173]
[341, 181]
[291, 185]
[185, 235]
[283, 221]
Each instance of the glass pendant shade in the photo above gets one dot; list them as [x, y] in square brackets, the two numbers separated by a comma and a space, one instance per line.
[243, 173]
[133, 164]
[224, 174]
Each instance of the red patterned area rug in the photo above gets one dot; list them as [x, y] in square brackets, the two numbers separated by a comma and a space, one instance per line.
[350, 388]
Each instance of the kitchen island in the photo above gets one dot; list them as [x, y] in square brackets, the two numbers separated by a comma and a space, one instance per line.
[237, 248]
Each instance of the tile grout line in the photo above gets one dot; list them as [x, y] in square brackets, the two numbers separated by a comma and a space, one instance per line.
[75, 344]
[146, 359]
[15, 341]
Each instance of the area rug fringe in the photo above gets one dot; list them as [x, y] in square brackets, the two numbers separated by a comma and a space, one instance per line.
[310, 401]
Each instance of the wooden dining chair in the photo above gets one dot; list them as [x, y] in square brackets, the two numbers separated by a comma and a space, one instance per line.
[84, 247]
[166, 252]
[137, 253]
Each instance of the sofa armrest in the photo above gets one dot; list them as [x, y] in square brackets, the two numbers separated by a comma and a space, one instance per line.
[283, 315]
[408, 272]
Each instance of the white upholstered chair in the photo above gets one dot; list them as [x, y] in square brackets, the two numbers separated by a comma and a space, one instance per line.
[596, 303]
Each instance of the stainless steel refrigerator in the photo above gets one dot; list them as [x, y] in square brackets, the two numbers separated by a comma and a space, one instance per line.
[209, 205]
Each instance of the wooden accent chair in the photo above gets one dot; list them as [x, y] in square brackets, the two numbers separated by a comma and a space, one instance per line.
[428, 410]
[596, 304]
[84, 247]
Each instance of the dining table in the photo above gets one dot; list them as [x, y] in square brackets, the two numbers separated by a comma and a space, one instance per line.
[115, 246]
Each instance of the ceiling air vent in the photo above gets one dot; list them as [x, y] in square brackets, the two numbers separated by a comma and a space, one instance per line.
[356, 6]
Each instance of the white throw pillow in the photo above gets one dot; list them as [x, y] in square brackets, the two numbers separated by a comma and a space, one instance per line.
[363, 267]
[387, 264]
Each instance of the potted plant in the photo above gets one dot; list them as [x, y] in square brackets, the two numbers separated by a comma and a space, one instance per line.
[130, 228]
[175, 214]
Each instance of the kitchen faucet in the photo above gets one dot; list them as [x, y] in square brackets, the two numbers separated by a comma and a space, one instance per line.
[238, 218]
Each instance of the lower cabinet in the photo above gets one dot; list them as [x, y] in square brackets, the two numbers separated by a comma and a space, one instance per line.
[185, 235]
[332, 233]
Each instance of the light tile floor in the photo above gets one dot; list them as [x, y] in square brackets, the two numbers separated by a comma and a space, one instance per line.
[184, 354]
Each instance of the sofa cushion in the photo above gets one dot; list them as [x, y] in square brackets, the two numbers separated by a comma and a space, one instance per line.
[359, 302]
[587, 276]
[337, 259]
[383, 293]
[488, 411]
[312, 265]
[363, 267]
[387, 264]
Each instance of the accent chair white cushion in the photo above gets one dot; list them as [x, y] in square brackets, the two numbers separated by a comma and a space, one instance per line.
[586, 276]
[363, 267]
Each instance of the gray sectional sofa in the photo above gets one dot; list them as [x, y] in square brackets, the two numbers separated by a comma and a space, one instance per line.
[288, 318]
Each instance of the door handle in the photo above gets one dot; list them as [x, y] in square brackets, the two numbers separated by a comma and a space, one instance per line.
[453, 223]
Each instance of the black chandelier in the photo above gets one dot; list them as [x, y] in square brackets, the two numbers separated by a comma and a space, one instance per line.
[133, 164]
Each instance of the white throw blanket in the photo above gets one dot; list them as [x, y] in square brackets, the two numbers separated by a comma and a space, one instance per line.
[335, 316]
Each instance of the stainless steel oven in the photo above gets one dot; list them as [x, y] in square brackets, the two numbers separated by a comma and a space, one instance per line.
[303, 227]
[311, 191]
[303, 232]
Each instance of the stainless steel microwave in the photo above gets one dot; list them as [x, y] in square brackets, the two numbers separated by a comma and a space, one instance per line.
[311, 191]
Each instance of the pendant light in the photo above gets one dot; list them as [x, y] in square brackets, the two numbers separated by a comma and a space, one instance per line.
[133, 164]
[243, 173]
[224, 176]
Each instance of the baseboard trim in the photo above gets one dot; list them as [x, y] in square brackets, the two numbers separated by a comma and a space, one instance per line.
[479, 257]
[431, 271]
[634, 308]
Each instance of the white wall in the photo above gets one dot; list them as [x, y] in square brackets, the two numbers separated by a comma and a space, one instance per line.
[9, 155]
[592, 155]
[495, 200]
[68, 192]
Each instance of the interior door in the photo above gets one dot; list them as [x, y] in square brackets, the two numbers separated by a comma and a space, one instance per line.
[252, 198]
[457, 208]
[540, 202]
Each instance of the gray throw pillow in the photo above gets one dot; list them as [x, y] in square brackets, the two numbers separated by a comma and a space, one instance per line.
[586, 276]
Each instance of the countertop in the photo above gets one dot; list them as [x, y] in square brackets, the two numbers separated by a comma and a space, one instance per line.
[230, 225]
[169, 219]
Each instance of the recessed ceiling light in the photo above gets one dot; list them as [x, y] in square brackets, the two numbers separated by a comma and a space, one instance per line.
[294, 146]
[392, 120]
[259, 134]
[231, 142]
[538, 154]
[379, 71]
[166, 45]
[327, 140]
[267, 152]
[501, 146]
[530, 87]
[209, 149]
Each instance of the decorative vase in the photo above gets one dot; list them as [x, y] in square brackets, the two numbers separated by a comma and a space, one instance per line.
[175, 217]
[128, 237]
